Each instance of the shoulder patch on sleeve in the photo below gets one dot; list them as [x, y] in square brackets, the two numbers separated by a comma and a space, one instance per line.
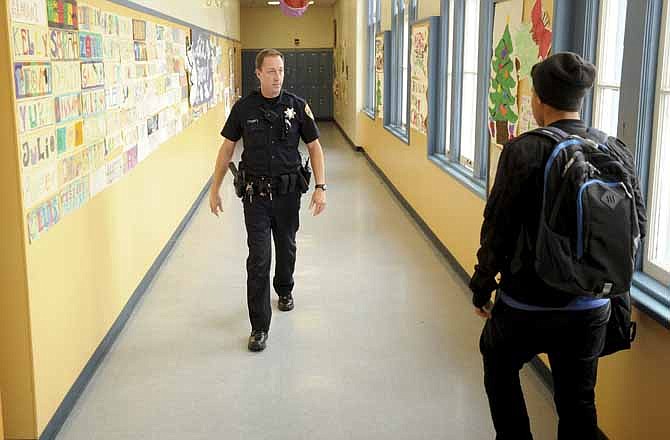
[308, 111]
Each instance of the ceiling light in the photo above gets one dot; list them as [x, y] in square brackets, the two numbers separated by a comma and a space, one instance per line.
[312, 2]
[273, 3]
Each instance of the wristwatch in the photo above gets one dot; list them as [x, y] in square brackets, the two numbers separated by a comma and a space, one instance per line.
[322, 186]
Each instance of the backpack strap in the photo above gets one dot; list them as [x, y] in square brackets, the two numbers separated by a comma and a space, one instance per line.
[553, 133]
[597, 135]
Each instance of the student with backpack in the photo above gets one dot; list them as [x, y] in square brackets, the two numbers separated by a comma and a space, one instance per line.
[562, 225]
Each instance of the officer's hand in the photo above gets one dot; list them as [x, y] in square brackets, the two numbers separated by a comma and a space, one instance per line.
[318, 203]
[215, 203]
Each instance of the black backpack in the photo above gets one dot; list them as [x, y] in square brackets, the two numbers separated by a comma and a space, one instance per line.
[588, 233]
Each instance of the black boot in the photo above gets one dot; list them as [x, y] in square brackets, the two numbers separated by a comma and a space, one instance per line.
[257, 340]
[285, 303]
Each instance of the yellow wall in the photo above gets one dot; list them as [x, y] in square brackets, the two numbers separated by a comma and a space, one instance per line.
[632, 386]
[60, 295]
[204, 13]
[348, 53]
[16, 372]
[268, 27]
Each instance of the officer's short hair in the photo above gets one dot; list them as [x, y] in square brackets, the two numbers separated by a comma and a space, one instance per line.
[267, 53]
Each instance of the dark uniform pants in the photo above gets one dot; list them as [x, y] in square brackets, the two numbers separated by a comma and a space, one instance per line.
[262, 217]
[573, 341]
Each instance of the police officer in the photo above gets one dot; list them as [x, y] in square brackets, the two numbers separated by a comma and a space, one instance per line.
[271, 122]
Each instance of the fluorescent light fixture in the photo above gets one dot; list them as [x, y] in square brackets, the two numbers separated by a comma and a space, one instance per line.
[273, 3]
[312, 2]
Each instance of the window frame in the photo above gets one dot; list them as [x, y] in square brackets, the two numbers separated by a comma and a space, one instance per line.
[648, 267]
[396, 111]
[446, 153]
[636, 105]
[597, 9]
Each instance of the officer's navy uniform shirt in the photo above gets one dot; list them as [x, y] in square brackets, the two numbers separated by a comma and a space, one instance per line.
[271, 129]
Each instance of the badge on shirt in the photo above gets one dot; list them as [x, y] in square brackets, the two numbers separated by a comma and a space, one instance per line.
[309, 111]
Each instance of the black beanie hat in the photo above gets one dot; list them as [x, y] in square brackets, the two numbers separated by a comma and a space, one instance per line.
[562, 80]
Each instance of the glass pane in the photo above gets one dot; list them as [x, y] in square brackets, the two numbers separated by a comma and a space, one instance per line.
[610, 41]
[471, 36]
[468, 121]
[606, 113]
[665, 77]
[659, 243]
[450, 46]
[405, 66]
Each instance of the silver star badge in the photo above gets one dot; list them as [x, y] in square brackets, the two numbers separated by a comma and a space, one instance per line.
[289, 113]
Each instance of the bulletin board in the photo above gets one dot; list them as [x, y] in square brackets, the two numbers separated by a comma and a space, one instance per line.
[522, 36]
[97, 93]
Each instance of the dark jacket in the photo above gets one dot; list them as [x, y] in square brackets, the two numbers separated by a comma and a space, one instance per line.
[511, 219]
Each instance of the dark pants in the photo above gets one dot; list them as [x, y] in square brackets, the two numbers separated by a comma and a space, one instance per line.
[572, 340]
[279, 217]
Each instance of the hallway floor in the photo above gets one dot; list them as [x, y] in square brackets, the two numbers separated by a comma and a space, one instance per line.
[382, 344]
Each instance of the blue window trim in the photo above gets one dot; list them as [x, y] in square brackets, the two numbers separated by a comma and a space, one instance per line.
[461, 174]
[392, 122]
[652, 297]
[396, 131]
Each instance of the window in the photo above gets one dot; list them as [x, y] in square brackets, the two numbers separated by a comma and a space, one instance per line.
[469, 93]
[609, 60]
[449, 79]
[460, 148]
[657, 258]
[404, 12]
[374, 19]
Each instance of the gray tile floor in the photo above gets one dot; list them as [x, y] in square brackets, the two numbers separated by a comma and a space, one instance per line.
[382, 343]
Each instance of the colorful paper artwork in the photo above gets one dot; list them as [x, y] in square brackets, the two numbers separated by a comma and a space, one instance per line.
[379, 76]
[39, 183]
[111, 49]
[140, 51]
[63, 45]
[68, 107]
[37, 148]
[90, 46]
[28, 11]
[73, 166]
[69, 136]
[130, 159]
[139, 30]
[95, 129]
[42, 218]
[92, 102]
[62, 14]
[92, 75]
[30, 42]
[32, 79]
[90, 19]
[66, 77]
[419, 81]
[35, 114]
[74, 195]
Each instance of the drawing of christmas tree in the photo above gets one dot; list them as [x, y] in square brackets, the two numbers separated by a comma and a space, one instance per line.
[502, 112]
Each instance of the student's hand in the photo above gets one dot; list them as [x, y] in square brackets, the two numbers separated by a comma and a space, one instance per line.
[215, 203]
[318, 203]
[484, 312]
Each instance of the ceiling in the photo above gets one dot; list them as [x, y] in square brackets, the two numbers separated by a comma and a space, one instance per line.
[263, 3]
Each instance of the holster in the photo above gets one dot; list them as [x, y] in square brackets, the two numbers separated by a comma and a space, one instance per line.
[304, 176]
[240, 181]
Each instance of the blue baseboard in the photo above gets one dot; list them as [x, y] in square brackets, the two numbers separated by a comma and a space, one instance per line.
[65, 408]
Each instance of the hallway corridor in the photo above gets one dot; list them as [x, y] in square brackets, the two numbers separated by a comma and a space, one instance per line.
[382, 344]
